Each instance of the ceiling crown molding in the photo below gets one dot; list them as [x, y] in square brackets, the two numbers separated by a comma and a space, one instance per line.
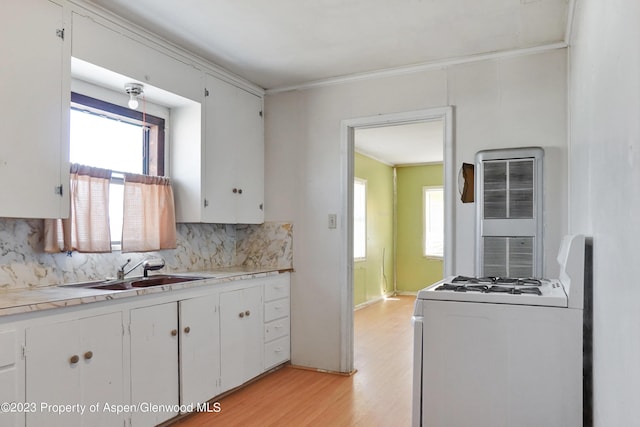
[426, 66]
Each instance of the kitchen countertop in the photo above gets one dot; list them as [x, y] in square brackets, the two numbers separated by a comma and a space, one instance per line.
[18, 301]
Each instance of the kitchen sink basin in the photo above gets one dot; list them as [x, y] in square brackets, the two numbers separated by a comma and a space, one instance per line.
[161, 280]
[134, 282]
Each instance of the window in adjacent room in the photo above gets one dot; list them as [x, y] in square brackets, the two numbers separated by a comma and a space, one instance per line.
[433, 231]
[109, 136]
[359, 218]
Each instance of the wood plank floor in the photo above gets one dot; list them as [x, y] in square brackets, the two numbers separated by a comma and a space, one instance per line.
[378, 394]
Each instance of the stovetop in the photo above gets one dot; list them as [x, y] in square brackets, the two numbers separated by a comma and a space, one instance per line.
[516, 281]
[501, 290]
[514, 290]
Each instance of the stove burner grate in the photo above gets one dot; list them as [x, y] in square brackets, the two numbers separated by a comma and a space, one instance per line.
[492, 280]
[462, 288]
[489, 289]
[514, 290]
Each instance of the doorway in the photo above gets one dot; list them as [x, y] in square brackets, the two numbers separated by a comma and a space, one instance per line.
[348, 134]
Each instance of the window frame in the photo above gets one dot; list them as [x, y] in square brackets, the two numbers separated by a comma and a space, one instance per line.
[153, 157]
[363, 182]
[425, 215]
[154, 128]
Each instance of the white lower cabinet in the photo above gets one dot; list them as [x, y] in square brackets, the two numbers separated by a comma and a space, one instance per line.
[175, 357]
[154, 362]
[9, 354]
[157, 358]
[241, 335]
[277, 347]
[77, 363]
[199, 349]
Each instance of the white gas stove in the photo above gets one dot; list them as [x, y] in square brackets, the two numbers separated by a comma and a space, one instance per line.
[510, 349]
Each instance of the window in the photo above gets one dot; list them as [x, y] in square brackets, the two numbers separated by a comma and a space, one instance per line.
[112, 137]
[359, 218]
[433, 234]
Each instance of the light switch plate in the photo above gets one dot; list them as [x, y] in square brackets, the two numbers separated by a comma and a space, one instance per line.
[333, 220]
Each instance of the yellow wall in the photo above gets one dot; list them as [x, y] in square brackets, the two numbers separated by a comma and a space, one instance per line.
[414, 270]
[373, 277]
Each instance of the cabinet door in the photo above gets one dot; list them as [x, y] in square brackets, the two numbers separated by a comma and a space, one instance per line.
[231, 339]
[9, 375]
[250, 163]
[253, 332]
[241, 336]
[52, 376]
[219, 147]
[75, 362]
[154, 361]
[34, 86]
[102, 356]
[234, 154]
[199, 349]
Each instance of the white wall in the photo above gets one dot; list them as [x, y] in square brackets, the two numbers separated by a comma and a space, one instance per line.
[605, 201]
[509, 102]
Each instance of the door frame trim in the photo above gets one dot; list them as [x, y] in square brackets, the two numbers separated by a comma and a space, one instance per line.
[347, 128]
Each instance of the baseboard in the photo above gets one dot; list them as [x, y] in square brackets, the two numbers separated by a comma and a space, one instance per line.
[373, 301]
[324, 371]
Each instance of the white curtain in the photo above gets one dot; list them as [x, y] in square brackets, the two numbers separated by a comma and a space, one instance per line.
[149, 221]
[87, 229]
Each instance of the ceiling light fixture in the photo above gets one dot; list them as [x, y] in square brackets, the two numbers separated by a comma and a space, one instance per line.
[134, 90]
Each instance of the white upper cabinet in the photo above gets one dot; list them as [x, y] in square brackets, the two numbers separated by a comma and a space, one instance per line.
[34, 129]
[215, 131]
[119, 50]
[220, 178]
[234, 155]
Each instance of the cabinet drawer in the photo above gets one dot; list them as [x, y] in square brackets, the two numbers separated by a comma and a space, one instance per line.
[276, 329]
[277, 288]
[276, 309]
[277, 352]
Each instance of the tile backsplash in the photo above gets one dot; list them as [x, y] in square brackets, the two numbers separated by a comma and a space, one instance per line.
[23, 263]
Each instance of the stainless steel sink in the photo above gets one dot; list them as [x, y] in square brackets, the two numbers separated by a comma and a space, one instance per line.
[135, 282]
[161, 279]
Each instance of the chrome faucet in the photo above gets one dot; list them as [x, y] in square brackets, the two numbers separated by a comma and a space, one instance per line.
[147, 265]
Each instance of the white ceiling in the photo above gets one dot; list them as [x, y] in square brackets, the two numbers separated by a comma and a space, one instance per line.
[283, 43]
[413, 143]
